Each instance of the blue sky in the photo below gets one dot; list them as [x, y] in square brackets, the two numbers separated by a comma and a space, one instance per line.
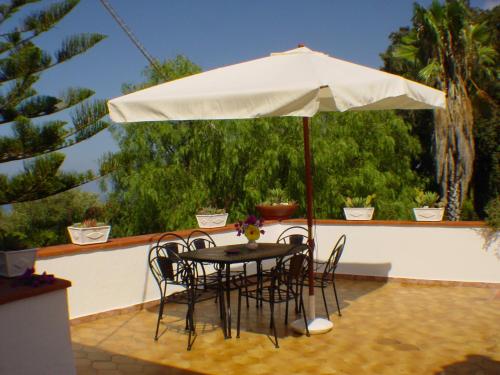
[211, 34]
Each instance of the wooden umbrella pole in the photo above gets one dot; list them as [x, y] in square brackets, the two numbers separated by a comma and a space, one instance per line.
[309, 203]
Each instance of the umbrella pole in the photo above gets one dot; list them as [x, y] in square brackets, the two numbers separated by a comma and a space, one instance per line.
[315, 325]
[309, 206]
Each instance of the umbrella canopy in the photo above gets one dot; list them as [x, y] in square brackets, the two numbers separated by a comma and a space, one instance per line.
[299, 82]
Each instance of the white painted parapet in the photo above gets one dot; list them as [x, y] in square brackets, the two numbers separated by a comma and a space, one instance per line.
[116, 275]
[35, 337]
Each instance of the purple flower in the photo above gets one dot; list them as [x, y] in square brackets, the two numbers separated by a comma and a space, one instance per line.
[251, 220]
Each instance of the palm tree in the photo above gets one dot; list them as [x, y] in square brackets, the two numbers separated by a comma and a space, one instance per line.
[446, 49]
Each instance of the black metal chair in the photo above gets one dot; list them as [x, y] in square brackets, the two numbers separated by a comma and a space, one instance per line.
[170, 269]
[295, 235]
[324, 272]
[199, 240]
[289, 270]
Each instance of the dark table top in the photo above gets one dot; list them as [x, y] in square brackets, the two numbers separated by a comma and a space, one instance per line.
[240, 253]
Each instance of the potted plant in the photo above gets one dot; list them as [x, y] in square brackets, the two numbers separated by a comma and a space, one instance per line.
[251, 229]
[210, 217]
[359, 208]
[15, 258]
[430, 208]
[90, 230]
[277, 206]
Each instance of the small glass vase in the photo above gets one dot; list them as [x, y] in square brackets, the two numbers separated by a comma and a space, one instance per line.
[252, 244]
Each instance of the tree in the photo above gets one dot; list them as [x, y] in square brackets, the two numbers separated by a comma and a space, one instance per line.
[445, 48]
[166, 171]
[21, 65]
[44, 222]
[486, 180]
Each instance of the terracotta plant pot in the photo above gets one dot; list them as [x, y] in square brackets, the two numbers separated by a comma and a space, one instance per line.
[277, 212]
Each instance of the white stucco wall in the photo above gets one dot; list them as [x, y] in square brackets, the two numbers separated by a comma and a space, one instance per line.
[109, 279]
[429, 253]
[35, 337]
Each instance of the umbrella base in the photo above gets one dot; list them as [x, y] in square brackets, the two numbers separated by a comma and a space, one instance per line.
[316, 326]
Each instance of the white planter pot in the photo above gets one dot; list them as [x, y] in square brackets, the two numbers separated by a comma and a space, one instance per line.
[16, 262]
[358, 213]
[90, 235]
[428, 214]
[212, 221]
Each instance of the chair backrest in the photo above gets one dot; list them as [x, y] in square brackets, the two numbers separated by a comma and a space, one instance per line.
[172, 238]
[199, 240]
[295, 235]
[168, 268]
[333, 260]
[290, 267]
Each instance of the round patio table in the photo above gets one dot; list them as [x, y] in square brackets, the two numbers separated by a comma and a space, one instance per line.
[230, 254]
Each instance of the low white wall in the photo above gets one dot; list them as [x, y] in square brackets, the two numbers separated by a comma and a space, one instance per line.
[35, 336]
[414, 252]
[109, 279]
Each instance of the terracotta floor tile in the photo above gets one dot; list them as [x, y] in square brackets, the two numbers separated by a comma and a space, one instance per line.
[385, 328]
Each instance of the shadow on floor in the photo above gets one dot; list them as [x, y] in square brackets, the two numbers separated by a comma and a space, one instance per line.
[257, 320]
[93, 360]
[474, 364]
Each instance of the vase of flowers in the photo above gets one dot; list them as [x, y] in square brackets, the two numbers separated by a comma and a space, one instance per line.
[251, 229]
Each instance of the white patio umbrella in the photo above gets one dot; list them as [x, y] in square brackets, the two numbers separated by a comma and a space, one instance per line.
[299, 82]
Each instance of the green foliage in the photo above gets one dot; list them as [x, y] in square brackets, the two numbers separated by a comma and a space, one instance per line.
[44, 222]
[493, 213]
[360, 201]
[427, 199]
[455, 48]
[21, 65]
[277, 196]
[211, 211]
[356, 154]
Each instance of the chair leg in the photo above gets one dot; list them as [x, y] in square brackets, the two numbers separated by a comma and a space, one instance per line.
[286, 310]
[239, 314]
[273, 325]
[297, 308]
[300, 296]
[246, 286]
[191, 326]
[336, 298]
[160, 316]
[304, 315]
[220, 297]
[324, 301]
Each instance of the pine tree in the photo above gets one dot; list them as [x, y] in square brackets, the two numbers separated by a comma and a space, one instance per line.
[22, 107]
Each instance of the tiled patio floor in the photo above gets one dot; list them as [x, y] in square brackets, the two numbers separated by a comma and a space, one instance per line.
[386, 328]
